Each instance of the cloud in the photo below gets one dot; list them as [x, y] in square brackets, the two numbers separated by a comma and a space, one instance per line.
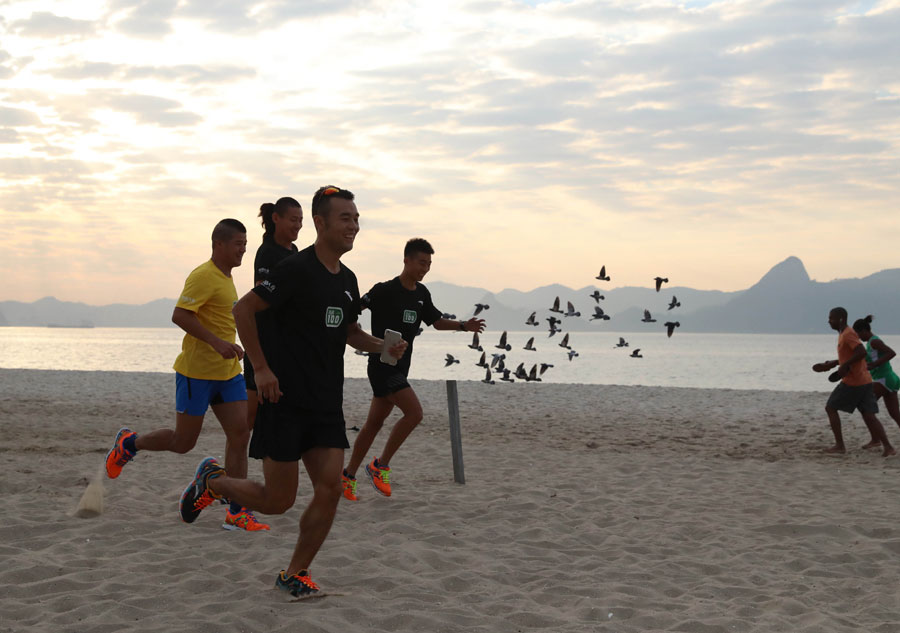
[145, 18]
[49, 25]
[182, 73]
[152, 109]
[17, 116]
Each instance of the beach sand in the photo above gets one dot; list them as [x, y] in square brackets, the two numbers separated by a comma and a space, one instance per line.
[586, 508]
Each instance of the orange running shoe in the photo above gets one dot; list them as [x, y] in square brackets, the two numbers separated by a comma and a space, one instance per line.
[349, 486]
[380, 476]
[300, 585]
[118, 455]
[243, 520]
[198, 495]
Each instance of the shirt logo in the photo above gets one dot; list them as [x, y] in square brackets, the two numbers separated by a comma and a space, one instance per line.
[333, 317]
[409, 316]
[268, 285]
[349, 296]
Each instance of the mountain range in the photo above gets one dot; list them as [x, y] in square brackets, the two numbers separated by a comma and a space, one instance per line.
[784, 301]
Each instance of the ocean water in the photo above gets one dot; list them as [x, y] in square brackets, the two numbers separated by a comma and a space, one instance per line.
[727, 361]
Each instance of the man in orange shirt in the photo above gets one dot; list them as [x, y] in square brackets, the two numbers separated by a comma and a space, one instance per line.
[854, 391]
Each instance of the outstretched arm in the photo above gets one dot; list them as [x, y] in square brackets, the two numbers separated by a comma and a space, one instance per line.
[188, 321]
[472, 325]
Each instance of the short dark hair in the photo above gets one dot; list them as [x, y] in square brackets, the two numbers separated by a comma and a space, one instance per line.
[321, 202]
[280, 207]
[417, 245]
[863, 325]
[841, 312]
[226, 229]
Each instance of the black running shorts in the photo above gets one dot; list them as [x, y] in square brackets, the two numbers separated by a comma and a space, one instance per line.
[850, 398]
[283, 433]
[386, 379]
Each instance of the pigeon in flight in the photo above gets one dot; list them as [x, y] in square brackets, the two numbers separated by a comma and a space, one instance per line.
[660, 281]
[647, 318]
[555, 307]
[530, 345]
[449, 360]
[602, 276]
[520, 372]
[674, 303]
[670, 327]
[497, 358]
[636, 353]
[501, 365]
[475, 344]
[482, 362]
[532, 320]
[479, 307]
[448, 316]
[571, 310]
[565, 342]
[505, 377]
[545, 367]
[572, 354]
[487, 377]
[596, 296]
[622, 342]
[553, 321]
[553, 330]
[503, 344]
[599, 314]
[533, 374]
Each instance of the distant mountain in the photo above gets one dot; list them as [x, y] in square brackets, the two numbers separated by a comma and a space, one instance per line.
[784, 301]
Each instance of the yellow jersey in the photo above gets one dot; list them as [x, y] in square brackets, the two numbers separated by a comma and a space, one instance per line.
[210, 294]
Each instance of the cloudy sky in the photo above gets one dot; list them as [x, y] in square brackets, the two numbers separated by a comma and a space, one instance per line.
[530, 141]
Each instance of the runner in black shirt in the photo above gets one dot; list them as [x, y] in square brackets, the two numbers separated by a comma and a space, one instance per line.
[298, 355]
[400, 304]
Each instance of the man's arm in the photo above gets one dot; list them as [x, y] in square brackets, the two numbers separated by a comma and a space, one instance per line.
[364, 342]
[188, 321]
[245, 319]
[858, 354]
[885, 353]
[472, 325]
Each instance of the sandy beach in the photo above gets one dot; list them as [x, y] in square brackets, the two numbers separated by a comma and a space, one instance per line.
[586, 508]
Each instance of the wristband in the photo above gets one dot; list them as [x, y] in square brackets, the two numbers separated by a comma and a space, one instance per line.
[462, 326]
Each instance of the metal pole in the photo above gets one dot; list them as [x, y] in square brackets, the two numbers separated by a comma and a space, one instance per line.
[455, 432]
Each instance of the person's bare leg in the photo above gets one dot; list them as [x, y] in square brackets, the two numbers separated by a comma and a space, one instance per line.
[835, 420]
[877, 430]
[233, 418]
[181, 439]
[379, 410]
[890, 401]
[407, 401]
[875, 442]
[323, 465]
[275, 496]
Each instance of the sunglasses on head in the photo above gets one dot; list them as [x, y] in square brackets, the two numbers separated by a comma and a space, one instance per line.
[328, 191]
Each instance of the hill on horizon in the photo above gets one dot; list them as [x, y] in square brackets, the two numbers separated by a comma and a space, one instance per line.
[784, 301]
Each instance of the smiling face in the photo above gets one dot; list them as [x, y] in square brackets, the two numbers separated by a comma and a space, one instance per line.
[416, 265]
[288, 225]
[337, 227]
[231, 251]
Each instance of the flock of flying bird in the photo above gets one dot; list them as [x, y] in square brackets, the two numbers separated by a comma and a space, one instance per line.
[497, 364]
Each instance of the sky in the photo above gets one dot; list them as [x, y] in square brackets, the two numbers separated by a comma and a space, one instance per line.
[530, 142]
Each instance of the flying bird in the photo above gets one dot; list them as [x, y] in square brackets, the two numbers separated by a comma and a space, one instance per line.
[602, 276]
[487, 377]
[565, 342]
[670, 327]
[596, 296]
[647, 318]
[449, 360]
[532, 320]
[636, 353]
[552, 320]
[622, 342]
[503, 344]
[660, 281]
[555, 307]
[571, 310]
[599, 314]
[475, 344]
[497, 358]
[447, 315]
[533, 374]
[501, 365]
[505, 377]
[520, 372]
[482, 362]
[530, 345]
[674, 303]
[572, 354]
[479, 307]
[553, 330]
[545, 367]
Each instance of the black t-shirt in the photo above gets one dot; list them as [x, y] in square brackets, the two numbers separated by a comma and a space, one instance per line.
[396, 308]
[268, 255]
[305, 336]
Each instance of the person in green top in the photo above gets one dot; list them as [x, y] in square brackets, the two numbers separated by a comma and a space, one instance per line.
[878, 362]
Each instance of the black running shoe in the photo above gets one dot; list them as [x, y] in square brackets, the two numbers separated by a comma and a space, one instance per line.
[300, 585]
[198, 495]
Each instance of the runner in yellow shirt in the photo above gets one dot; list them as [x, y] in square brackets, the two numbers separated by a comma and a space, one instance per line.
[207, 372]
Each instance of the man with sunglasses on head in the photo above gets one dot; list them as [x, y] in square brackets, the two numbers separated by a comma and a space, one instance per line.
[298, 358]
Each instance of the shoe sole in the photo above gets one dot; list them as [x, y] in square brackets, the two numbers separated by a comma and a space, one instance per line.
[372, 479]
[124, 429]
